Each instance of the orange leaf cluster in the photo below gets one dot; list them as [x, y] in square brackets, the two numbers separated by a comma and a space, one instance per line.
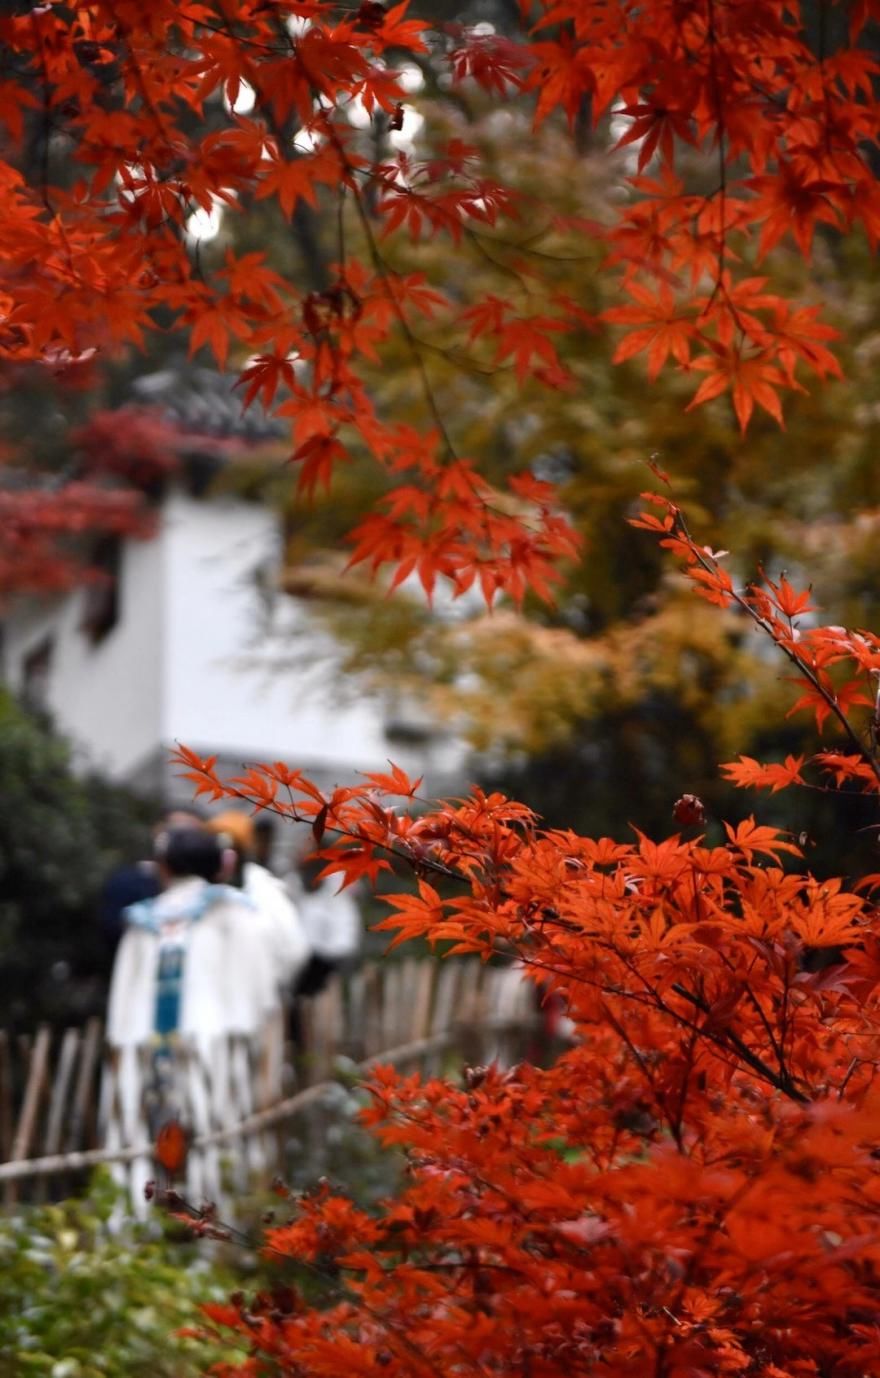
[837, 670]
[690, 1189]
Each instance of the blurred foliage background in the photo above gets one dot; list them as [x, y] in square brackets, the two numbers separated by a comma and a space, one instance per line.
[83, 1297]
[61, 833]
[602, 710]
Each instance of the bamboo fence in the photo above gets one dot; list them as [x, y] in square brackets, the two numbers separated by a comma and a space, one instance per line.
[59, 1091]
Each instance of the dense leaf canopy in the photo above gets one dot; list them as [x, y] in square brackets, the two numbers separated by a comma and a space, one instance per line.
[751, 125]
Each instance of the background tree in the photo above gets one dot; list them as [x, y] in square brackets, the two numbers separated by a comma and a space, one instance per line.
[60, 835]
[624, 684]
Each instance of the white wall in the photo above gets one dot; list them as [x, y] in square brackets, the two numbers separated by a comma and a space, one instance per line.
[221, 692]
[193, 660]
[105, 697]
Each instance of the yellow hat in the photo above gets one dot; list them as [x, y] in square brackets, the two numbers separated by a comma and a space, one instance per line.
[238, 827]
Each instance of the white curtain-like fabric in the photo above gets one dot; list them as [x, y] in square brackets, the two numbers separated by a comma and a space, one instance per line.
[280, 921]
[201, 1070]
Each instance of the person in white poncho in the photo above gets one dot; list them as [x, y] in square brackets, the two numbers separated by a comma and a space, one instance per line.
[276, 916]
[192, 972]
[331, 918]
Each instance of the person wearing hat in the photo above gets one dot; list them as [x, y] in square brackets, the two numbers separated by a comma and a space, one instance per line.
[190, 988]
[276, 917]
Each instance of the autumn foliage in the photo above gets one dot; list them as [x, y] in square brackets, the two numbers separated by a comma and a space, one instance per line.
[750, 121]
[691, 1189]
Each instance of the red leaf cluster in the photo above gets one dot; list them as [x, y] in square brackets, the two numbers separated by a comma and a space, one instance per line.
[691, 1189]
[113, 136]
[836, 669]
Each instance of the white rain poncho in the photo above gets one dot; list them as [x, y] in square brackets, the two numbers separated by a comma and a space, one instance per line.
[281, 921]
[194, 986]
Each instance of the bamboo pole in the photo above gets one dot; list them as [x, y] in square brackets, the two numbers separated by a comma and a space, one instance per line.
[253, 1124]
[27, 1120]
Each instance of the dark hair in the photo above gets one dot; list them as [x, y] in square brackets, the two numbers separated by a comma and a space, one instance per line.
[189, 852]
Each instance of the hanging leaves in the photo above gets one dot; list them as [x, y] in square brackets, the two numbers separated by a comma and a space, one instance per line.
[734, 131]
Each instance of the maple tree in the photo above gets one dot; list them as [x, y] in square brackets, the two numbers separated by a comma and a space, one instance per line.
[54, 516]
[41, 530]
[691, 1189]
[116, 135]
[625, 682]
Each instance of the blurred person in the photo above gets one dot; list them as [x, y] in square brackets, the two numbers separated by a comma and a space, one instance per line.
[276, 916]
[186, 962]
[331, 918]
[188, 975]
[129, 883]
[264, 840]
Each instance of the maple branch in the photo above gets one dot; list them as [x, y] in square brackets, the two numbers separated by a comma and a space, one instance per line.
[340, 226]
[722, 152]
[676, 1124]
[56, 219]
[724, 1039]
[378, 261]
[761, 1013]
[385, 275]
[278, 49]
[477, 241]
[823, 41]
[648, 1074]
[206, 1216]
[710, 565]
[782, 1081]
[854, 1065]
[462, 361]
[382, 269]
[149, 104]
[292, 815]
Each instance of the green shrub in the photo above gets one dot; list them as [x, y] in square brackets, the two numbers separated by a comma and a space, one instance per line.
[61, 832]
[83, 1298]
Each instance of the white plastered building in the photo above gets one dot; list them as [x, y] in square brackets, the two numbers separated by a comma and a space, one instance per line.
[188, 641]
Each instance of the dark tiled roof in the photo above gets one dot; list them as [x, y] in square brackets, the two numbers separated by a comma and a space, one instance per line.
[205, 402]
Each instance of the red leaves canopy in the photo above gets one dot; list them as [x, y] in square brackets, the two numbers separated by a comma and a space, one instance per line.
[689, 1188]
[121, 102]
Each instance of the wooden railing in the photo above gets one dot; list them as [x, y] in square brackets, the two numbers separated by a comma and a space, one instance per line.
[58, 1093]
